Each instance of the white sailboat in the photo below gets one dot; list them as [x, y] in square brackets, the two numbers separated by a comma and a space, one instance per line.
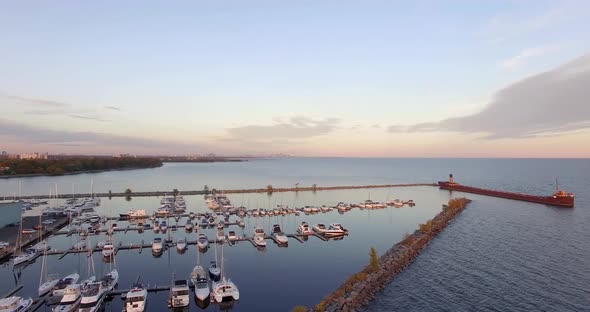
[225, 289]
[26, 256]
[200, 281]
[203, 242]
[46, 281]
[214, 271]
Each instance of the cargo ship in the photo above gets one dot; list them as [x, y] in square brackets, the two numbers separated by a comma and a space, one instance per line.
[559, 198]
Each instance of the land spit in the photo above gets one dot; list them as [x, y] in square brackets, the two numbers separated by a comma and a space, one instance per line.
[362, 287]
[231, 191]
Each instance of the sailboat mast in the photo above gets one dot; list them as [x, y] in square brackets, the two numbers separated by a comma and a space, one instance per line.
[222, 274]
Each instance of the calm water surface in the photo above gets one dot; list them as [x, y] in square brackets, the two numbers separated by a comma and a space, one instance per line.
[498, 255]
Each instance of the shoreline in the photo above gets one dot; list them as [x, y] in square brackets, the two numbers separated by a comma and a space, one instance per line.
[230, 191]
[361, 288]
[32, 175]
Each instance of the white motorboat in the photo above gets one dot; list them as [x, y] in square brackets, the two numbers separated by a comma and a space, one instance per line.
[101, 244]
[212, 220]
[231, 236]
[71, 299]
[15, 304]
[279, 236]
[335, 229]
[220, 225]
[259, 237]
[157, 245]
[325, 208]
[137, 214]
[59, 289]
[163, 226]
[203, 242]
[110, 280]
[303, 228]
[189, 225]
[136, 299]
[200, 281]
[179, 294]
[93, 295]
[320, 228]
[108, 250]
[181, 244]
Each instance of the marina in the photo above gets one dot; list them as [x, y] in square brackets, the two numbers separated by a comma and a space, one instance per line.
[186, 236]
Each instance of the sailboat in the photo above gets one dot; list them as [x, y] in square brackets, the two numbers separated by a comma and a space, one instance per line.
[29, 254]
[214, 271]
[110, 280]
[225, 289]
[50, 280]
[108, 249]
[200, 281]
[92, 292]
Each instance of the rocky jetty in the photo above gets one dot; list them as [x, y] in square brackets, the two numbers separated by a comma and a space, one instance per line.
[362, 287]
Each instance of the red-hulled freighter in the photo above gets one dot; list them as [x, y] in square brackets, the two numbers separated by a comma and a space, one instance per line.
[559, 198]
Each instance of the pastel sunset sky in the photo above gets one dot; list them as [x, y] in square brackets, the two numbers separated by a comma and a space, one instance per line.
[307, 78]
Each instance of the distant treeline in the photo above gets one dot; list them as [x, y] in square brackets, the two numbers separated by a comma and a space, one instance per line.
[73, 165]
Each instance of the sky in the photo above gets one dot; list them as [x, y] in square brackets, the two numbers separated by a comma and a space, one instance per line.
[304, 78]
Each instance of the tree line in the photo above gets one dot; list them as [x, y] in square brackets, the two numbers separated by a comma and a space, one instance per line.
[73, 165]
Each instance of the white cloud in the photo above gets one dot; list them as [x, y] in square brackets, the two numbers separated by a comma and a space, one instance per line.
[550, 103]
[524, 56]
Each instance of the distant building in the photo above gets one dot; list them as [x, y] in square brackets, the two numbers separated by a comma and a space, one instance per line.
[34, 156]
[3, 155]
[4, 168]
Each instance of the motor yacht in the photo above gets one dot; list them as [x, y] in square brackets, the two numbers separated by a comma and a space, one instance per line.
[71, 299]
[303, 228]
[136, 299]
[278, 234]
[93, 295]
[259, 237]
[179, 294]
[15, 304]
[59, 289]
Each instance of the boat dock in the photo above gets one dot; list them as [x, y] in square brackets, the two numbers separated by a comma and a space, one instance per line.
[143, 245]
[231, 191]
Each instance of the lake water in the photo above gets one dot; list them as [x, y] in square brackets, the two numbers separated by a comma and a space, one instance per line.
[497, 255]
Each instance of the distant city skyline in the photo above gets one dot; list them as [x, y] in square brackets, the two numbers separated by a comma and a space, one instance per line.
[330, 78]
